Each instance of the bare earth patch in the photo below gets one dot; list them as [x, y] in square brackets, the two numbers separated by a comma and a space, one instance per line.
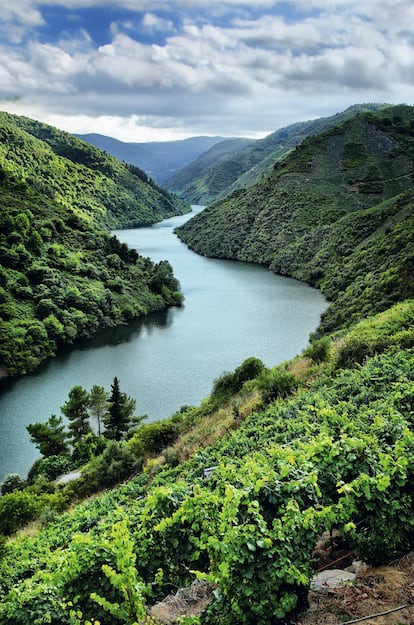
[374, 591]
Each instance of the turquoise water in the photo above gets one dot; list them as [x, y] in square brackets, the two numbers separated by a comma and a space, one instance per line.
[232, 311]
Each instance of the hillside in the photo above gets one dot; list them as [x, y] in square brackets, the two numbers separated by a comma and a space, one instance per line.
[322, 444]
[222, 514]
[62, 276]
[75, 174]
[192, 182]
[332, 213]
[159, 159]
[244, 168]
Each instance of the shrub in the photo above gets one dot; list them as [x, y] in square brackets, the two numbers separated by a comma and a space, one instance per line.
[319, 350]
[17, 509]
[152, 438]
[53, 466]
[115, 464]
[276, 383]
[11, 483]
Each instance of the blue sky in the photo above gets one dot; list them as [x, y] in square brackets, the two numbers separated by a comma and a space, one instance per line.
[144, 70]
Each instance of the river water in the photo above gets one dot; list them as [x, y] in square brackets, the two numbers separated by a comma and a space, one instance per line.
[232, 310]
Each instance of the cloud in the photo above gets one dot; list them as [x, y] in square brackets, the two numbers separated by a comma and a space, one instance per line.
[153, 23]
[181, 67]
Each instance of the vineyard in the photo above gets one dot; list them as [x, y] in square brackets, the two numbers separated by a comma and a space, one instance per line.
[332, 451]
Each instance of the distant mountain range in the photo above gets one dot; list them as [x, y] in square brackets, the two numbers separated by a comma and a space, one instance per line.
[159, 159]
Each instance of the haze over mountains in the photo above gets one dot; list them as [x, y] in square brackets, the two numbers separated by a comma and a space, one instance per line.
[159, 159]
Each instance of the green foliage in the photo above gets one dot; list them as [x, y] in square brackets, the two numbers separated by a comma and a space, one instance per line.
[62, 276]
[75, 410]
[119, 418]
[50, 437]
[217, 173]
[11, 483]
[276, 383]
[53, 466]
[116, 463]
[337, 213]
[152, 438]
[319, 350]
[229, 383]
[16, 509]
[338, 454]
[124, 578]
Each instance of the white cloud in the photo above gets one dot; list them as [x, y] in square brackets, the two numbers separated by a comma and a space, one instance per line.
[152, 23]
[248, 76]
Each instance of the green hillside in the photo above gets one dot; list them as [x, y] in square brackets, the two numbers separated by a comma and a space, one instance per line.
[193, 182]
[333, 213]
[73, 173]
[223, 504]
[62, 276]
[244, 168]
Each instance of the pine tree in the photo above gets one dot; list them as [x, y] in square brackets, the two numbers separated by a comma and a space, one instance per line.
[120, 415]
[76, 411]
[98, 404]
[50, 437]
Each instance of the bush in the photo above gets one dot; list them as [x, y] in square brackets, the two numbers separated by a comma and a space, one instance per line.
[115, 464]
[17, 509]
[11, 483]
[152, 438]
[276, 383]
[319, 350]
[53, 466]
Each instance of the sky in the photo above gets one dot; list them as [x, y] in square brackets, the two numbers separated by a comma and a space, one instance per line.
[152, 70]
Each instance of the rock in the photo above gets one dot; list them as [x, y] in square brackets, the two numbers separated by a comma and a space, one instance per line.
[328, 580]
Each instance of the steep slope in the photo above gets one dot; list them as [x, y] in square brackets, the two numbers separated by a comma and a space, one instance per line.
[324, 206]
[62, 276]
[74, 173]
[246, 167]
[193, 182]
[159, 159]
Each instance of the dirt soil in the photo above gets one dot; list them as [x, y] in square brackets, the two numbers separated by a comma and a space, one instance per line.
[375, 590]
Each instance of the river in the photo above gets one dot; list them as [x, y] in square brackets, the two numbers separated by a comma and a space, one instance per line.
[232, 310]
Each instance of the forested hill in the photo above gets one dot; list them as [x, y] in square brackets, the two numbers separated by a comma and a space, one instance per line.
[74, 173]
[62, 276]
[246, 166]
[193, 182]
[337, 213]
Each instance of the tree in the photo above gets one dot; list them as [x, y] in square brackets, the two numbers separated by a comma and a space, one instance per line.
[50, 437]
[98, 404]
[76, 411]
[119, 418]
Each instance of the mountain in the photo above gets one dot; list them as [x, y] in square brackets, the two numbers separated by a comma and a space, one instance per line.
[246, 166]
[332, 213]
[159, 159]
[193, 182]
[62, 276]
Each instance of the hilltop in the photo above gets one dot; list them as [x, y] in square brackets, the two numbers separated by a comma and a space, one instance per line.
[240, 170]
[62, 276]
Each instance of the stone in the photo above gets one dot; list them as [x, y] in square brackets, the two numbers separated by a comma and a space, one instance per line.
[324, 581]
